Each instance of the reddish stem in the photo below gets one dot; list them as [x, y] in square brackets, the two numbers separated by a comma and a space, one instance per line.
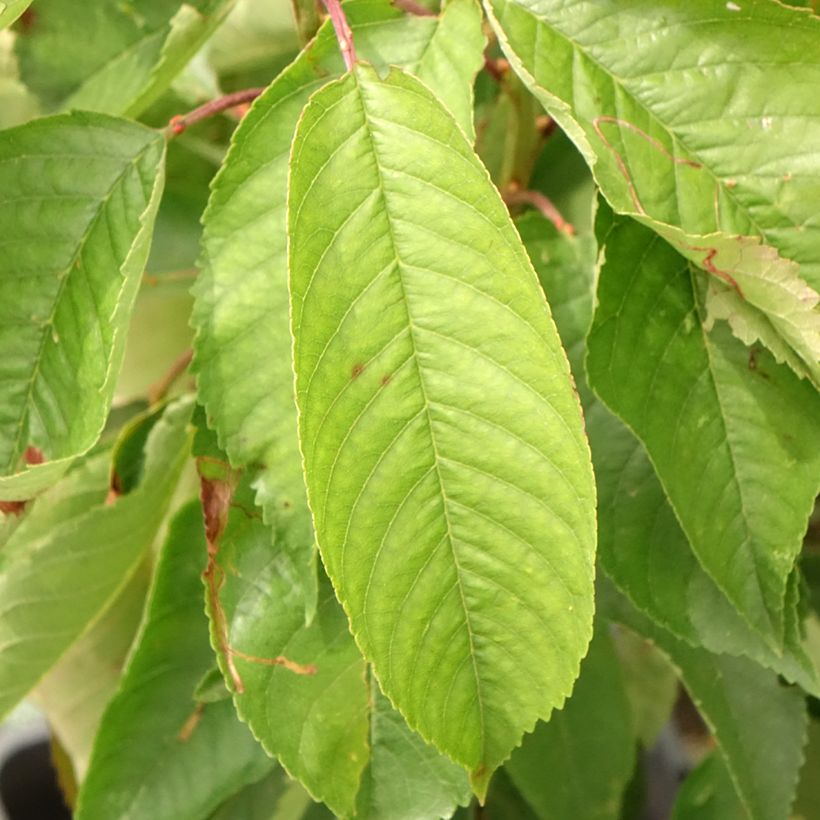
[180, 122]
[157, 391]
[412, 7]
[541, 203]
[343, 33]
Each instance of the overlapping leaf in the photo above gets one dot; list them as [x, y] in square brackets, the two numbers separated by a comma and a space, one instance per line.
[762, 747]
[444, 453]
[578, 764]
[243, 344]
[331, 730]
[709, 794]
[58, 574]
[113, 57]
[74, 694]
[78, 196]
[644, 550]
[640, 542]
[158, 753]
[275, 797]
[406, 778]
[672, 107]
[732, 435]
[17, 103]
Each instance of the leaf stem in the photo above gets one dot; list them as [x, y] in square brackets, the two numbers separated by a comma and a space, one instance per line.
[180, 365]
[343, 33]
[542, 203]
[181, 122]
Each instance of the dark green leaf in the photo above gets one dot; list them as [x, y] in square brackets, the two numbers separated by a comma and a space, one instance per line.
[242, 300]
[734, 437]
[578, 764]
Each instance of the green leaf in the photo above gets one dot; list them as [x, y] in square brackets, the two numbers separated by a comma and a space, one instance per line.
[17, 103]
[677, 138]
[578, 764]
[644, 550]
[445, 458]
[133, 56]
[508, 138]
[78, 196]
[406, 778]
[11, 10]
[319, 729]
[273, 798]
[807, 804]
[709, 794]
[758, 722]
[241, 294]
[650, 683]
[158, 753]
[333, 730]
[255, 35]
[74, 694]
[308, 17]
[58, 575]
[565, 266]
[640, 543]
[735, 440]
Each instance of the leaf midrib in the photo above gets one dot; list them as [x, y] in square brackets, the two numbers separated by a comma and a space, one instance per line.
[436, 458]
[67, 274]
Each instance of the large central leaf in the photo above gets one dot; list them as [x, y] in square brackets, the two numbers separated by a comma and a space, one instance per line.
[445, 458]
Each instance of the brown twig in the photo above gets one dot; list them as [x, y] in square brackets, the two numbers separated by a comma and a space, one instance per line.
[180, 122]
[497, 68]
[541, 203]
[157, 391]
[343, 33]
[216, 496]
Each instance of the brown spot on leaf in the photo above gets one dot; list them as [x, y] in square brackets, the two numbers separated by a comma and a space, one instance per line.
[27, 21]
[386, 379]
[356, 371]
[33, 455]
[12, 507]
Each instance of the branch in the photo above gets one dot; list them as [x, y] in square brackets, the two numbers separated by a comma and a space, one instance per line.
[541, 203]
[180, 122]
[343, 33]
[157, 391]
